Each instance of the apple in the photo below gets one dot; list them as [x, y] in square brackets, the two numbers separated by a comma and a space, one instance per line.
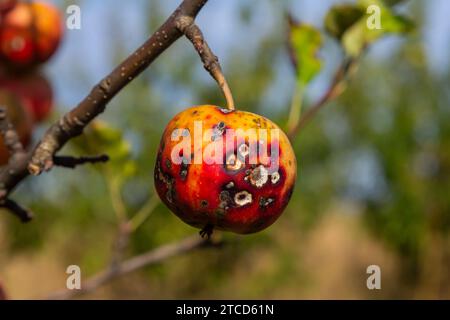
[30, 33]
[225, 170]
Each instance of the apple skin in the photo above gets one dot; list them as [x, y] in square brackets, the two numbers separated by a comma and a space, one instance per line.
[34, 91]
[7, 5]
[20, 119]
[3, 295]
[30, 34]
[238, 196]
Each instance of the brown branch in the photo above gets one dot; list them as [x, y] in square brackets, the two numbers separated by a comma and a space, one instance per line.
[152, 257]
[16, 169]
[23, 214]
[73, 123]
[210, 61]
[9, 134]
[335, 89]
[73, 162]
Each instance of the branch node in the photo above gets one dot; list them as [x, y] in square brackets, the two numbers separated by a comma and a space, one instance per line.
[22, 213]
[73, 162]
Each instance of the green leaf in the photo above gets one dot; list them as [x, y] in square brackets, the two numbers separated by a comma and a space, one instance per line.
[99, 138]
[305, 42]
[359, 36]
[341, 17]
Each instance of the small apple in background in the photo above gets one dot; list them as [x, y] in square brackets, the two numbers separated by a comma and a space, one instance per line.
[34, 91]
[7, 5]
[20, 119]
[30, 33]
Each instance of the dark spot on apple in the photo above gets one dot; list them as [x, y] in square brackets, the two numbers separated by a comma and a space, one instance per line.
[184, 169]
[218, 130]
[168, 164]
[265, 202]
[225, 197]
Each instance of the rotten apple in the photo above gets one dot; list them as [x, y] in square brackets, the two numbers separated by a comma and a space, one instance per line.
[226, 170]
[30, 33]
[19, 118]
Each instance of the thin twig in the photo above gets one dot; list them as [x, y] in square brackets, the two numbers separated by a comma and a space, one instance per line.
[9, 134]
[296, 107]
[23, 214]
[127, 226]
[152, 257]
[209, 59]
[335, 89]
[120, 210]
[73, 162]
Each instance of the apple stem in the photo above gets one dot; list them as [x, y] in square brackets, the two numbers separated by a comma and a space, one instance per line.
[210, 61]
[9, 134]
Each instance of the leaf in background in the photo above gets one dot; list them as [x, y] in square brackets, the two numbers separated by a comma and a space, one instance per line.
[341, 17]
[304, 43]
[100, 137]
[359, 36]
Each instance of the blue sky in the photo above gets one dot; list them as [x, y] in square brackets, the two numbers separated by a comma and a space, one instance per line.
[85, 56]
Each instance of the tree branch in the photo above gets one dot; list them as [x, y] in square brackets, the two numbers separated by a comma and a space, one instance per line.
[335, 89]
[152, 257]
[9, 134]
[210, 61]
[73, 162]
[73, 123]
[23, 214]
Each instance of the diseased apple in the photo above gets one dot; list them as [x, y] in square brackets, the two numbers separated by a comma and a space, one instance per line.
[226, 170]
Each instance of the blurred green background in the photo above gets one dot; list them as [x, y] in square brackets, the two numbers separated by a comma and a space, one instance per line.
[374, 165]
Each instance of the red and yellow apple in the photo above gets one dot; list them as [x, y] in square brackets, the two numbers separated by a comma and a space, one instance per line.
[7, 5]
[225, 170]
[19, 118]
[34, 91]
